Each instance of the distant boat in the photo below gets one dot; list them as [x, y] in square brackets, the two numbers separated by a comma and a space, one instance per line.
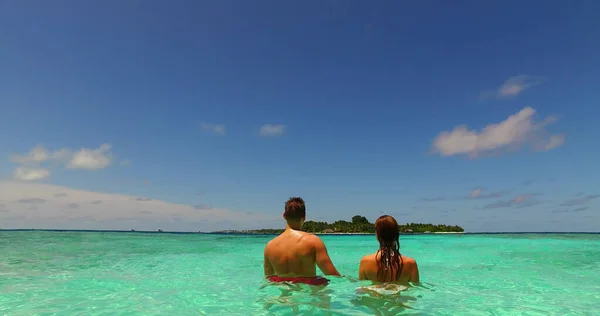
[133, 230]
[160, 230]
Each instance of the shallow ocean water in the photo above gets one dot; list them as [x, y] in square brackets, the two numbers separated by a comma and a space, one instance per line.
[102, 273]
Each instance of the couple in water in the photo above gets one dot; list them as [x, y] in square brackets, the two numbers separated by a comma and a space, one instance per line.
[294, 255]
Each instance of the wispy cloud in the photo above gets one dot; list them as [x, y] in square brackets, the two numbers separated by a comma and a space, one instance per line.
[433, 199]
[31, 201]
[511, 134]
[580, 201]
[217, 129]
[512, 87]
[39, 154]
[35, 164]
[125, 162]
[581, 209]
[272, 130]
[560, 210]
[479, 193]
[476, 193]
[91, 159]
[520, 201]
[116, 212]
[30, 173]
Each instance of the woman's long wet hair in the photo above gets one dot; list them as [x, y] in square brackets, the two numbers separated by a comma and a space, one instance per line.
[388, 256]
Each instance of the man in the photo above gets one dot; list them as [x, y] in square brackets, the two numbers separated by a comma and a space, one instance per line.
[293, 255]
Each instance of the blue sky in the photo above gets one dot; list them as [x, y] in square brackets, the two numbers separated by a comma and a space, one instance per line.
[357, 107]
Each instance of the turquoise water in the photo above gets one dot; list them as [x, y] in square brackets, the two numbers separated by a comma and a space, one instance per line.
[87, 273]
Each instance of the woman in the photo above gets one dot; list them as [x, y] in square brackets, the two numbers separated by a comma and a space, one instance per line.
[387, 264]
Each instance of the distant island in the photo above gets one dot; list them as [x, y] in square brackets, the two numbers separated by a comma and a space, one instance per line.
[358, 225]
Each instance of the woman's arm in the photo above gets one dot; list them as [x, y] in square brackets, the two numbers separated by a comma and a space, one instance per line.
[362, 274]
[414, 273]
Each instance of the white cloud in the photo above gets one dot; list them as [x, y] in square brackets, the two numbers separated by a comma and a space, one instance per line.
[517, 130]
[30, 174]
[272, 130]
[511, 87]
[55, 209]
[476, 193]
[35, 164]
[91, 159]
[218, 129]
[38, 155]
[555, 141]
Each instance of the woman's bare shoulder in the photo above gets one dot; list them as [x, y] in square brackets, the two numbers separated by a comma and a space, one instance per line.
[368, 258]
[408, 260]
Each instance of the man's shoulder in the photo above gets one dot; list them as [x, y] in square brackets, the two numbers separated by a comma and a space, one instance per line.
[271, 242]
[311, 238]
[308, 235]
[311, 241]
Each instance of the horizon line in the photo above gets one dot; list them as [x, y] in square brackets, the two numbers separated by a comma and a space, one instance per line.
[244, 232]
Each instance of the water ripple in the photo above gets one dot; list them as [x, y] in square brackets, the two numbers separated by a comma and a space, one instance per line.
[69, 273]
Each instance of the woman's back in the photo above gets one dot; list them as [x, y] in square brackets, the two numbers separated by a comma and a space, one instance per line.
[370, 269]
[387, 264]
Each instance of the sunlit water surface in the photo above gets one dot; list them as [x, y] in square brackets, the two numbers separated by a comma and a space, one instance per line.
[95, 273]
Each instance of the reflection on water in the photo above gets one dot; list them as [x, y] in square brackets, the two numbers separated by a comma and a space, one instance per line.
[289, 302]
[382, 290]
[384, 305]
[383, 299]
[283, 298]
[166, 274]
[364, 299]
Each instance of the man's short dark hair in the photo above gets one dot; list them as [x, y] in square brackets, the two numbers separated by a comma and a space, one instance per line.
[295, 209]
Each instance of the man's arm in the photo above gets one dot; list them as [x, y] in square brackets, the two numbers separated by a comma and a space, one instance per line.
[322, 258]
[268, 268]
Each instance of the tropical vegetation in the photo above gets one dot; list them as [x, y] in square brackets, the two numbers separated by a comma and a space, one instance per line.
[360, 225]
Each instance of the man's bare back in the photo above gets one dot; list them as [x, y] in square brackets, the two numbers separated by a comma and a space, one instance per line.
[294, 255]
[297, 254]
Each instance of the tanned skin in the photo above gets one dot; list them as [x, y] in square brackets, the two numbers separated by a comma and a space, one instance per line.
[387, 264]
[369, 266]
[295, 253]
